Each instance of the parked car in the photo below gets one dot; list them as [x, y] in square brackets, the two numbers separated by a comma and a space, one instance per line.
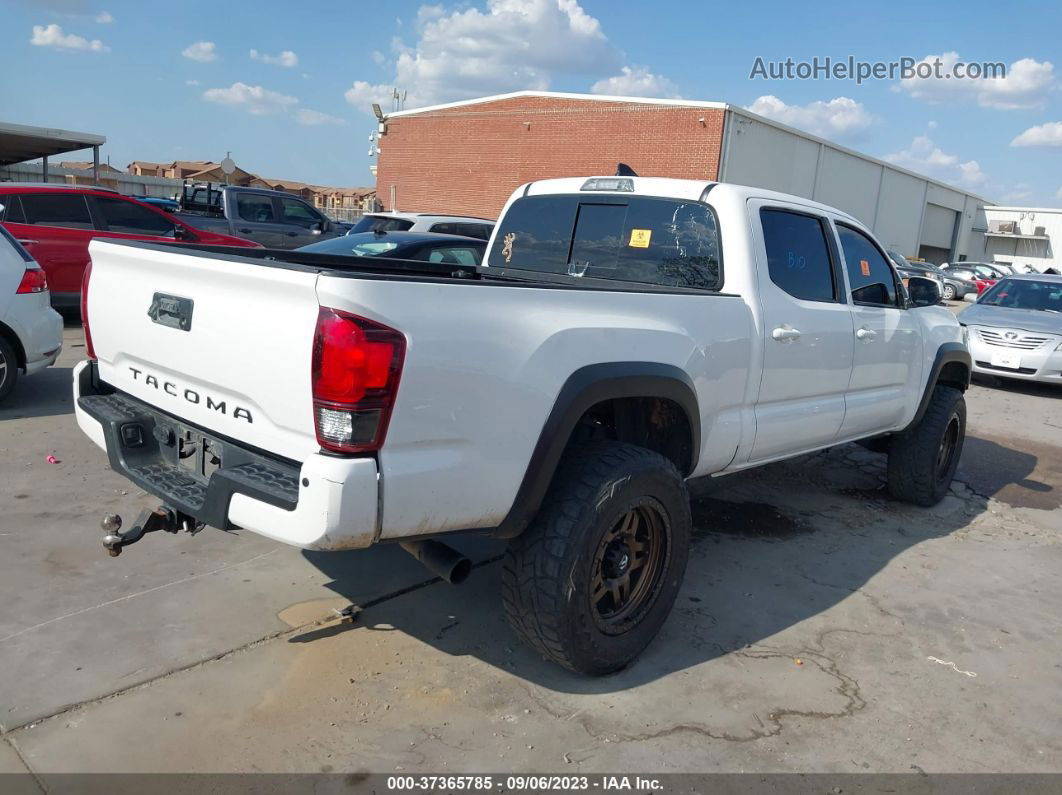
[31, 332]
[907, 269]
[980, 274]
[271, 218]
[466, 225]
[166, 205]
[452, 249]
[56, 223]
[624, 334]
[1015, 329]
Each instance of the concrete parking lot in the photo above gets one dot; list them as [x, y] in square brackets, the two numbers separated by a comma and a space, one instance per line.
[822, 627]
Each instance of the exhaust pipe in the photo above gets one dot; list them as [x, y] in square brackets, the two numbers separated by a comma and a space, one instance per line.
[439, 559]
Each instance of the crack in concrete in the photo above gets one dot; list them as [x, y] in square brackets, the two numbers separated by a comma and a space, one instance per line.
[848, 687]
[282, 633]
[21, 758]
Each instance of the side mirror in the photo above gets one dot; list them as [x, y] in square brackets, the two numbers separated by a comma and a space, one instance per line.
[316, 228]
[923, 292]
[180, 233]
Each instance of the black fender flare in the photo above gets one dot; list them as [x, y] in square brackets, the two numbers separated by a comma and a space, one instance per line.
[947, 353]
[583, 389]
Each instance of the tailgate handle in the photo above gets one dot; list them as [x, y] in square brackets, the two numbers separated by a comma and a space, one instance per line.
[172, 311]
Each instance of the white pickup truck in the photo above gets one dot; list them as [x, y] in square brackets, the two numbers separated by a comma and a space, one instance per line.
[625, 334]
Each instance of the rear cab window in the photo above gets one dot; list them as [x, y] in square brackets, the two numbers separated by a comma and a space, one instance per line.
[638, 239]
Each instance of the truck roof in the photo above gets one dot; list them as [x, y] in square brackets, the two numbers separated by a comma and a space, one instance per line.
[669, 187]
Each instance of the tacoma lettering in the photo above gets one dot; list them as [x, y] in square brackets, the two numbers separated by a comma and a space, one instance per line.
[193, 397]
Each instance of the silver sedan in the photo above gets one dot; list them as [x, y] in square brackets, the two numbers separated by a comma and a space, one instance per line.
[1015, 329]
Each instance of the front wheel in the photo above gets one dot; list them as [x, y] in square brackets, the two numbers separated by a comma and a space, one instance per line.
[949, 292]
[592, 580]
[923, 459]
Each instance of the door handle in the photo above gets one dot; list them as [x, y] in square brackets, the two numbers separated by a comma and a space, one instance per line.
[293, 234]
[245, 231]
[26, 241]
[783, 334]
[866, 334]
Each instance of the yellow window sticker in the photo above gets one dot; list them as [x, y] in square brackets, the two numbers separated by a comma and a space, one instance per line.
[864, 267]
[640, 238]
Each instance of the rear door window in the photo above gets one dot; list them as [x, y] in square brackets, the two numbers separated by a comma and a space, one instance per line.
[665, 242]
[68, 210]
[454, 255]
[798, 256]
[444, 229]
[480, 231]
[119, 215]
[254, 208]
[12, 212]
[871, 279]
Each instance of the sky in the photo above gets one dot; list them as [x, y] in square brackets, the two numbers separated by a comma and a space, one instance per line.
[287, 87]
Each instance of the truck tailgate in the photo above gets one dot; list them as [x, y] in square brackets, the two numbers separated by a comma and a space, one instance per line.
[221, 343]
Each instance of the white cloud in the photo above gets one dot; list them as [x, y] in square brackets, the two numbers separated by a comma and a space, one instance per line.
[254, 99]
[840, 117]
[925, 157]
[1026, 85]
[1049, 134]
[362, 94]
[1019, 193]
[636, 81]
[378, 58]
[202, 51]
[191, 82]
[104, 18]
[508, 46]
[312, 118]
[1058, 193]
[286, 59]
[53, 36]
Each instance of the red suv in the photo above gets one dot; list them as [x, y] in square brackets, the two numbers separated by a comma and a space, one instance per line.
[56, 223]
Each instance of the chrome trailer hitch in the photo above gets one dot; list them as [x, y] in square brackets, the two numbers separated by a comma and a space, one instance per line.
[162, 518]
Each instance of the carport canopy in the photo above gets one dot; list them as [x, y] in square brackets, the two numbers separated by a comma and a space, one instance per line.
[19, 143]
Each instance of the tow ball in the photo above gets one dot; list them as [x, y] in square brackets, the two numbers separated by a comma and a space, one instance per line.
[148, 521]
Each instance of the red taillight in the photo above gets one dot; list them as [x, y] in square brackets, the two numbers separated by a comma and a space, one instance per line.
[34, 280]
[355, 372]
[84, 311]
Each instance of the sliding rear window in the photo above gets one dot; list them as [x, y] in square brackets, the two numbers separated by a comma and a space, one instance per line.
[666, 242]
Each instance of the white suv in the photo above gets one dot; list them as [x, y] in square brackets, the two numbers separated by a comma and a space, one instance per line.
[31, 332]
[466, 225]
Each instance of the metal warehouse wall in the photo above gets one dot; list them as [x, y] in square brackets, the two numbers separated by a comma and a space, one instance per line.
[910, 214]
[467, 159]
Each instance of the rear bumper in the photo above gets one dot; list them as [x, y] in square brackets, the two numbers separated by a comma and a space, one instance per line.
[324, 503]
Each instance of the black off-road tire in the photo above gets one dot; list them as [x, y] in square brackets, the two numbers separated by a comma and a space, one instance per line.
[8, 368]
[550, 569]
[923, 459]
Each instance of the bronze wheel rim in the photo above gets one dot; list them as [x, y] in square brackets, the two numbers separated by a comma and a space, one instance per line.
[628, 565]
[949, 443]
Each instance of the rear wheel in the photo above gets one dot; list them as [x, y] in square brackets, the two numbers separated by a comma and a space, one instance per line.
[948, 292]
[923, 459]
[592, 580]
[8, 368]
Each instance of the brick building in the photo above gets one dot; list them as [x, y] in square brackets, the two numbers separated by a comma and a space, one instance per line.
[467, 157]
